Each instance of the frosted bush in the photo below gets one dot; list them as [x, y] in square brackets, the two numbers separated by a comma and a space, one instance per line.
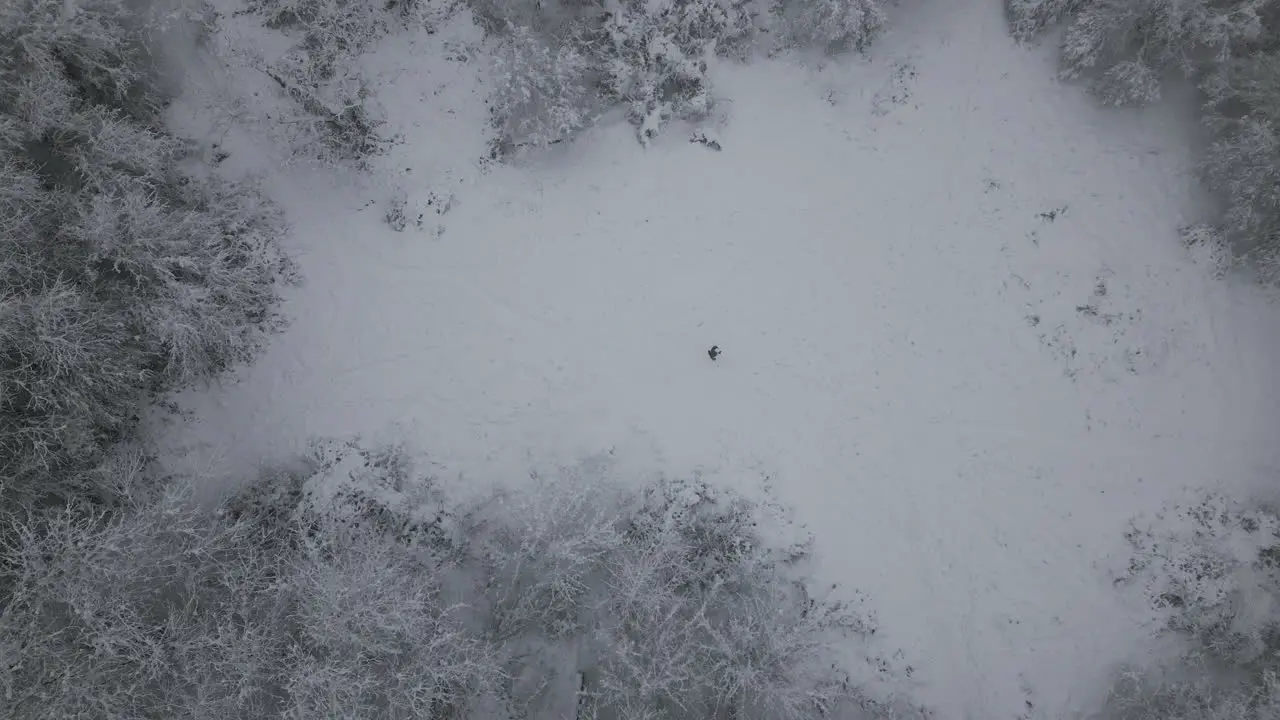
[377, 491]
[1029, 18]
[1209, 248]
[833, 25]
[544, 91]
[555, 77]
[338, 119]
[335, 120]
[1211, 572]
[346, 27]
[561, 64]
[1128, 82]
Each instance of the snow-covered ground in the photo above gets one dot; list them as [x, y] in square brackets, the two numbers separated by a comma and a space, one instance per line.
[958, 330]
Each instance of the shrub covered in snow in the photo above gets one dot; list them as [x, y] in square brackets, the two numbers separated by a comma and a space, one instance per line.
[124, 270]
[1212, 573]
[359, 588]
[338, 119]
[561, 64]
[657, 59]
[544, 90]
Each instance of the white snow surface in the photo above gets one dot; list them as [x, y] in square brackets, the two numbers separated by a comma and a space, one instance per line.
[964, 400]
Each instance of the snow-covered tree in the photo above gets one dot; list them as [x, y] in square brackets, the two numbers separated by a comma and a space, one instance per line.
[672, 599]
[703, 617]
[158, 611]
[354, 586]
[377, 636]
[124, 269]
[1243, 162]
[1124, 47]
[656, 59]
[166, 610]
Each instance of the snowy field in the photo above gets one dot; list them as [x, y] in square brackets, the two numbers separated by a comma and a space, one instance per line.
[958, 330]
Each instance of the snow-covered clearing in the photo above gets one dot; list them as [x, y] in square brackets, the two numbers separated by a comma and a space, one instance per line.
[963, 389]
